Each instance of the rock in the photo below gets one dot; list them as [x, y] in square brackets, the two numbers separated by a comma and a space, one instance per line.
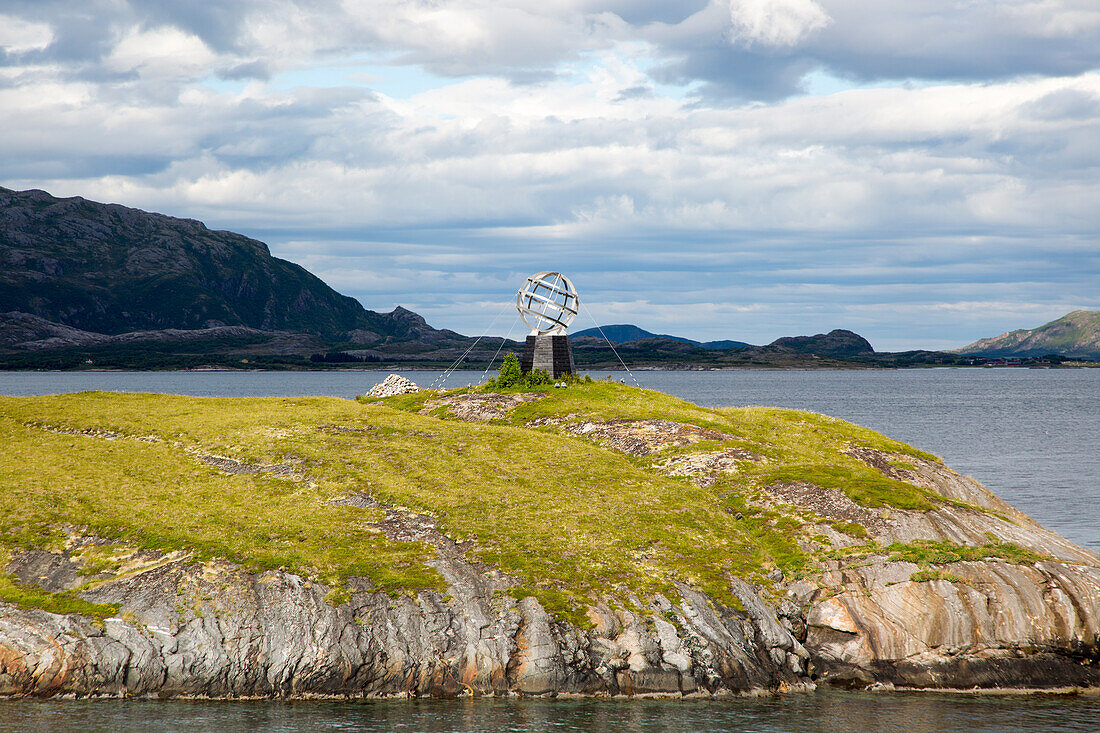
[480, 407]
[987, 623]
[214, 629]
[392, 385]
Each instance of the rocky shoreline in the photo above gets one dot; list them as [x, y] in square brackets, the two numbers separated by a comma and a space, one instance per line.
[1011, 607]
[215, 630]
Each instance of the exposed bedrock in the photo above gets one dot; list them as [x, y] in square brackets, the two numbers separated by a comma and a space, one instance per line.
[211, 629]
[214, 629]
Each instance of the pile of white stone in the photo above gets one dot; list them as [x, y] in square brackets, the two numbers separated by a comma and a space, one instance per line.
[393, 385]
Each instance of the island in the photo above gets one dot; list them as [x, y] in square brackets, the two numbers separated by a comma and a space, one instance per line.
[528, 539]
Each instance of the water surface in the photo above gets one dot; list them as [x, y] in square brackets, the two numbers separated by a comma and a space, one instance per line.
[825, 711]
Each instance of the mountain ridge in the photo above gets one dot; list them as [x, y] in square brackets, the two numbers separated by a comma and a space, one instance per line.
[110, 269]
[1076, 334]
[622, 333]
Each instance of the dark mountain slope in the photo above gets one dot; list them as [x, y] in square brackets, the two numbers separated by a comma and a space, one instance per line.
[838, 342]
[623, 333]
[111, 269]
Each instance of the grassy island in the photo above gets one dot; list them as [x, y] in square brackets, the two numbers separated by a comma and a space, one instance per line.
[541, 493]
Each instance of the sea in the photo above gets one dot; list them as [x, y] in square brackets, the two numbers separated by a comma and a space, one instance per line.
[1032, 436]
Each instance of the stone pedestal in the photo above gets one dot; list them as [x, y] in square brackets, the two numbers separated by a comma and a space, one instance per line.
[550, 352]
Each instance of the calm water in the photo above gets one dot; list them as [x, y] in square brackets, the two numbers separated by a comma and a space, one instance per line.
[819, 712]
[1031, 436]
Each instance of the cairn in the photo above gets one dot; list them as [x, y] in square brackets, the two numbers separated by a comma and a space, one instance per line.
[392, 385]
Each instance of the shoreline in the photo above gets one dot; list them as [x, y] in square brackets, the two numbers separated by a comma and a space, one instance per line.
[722, 696]
[581, 370]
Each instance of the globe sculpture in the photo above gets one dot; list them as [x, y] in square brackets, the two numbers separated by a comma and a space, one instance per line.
[548, 303]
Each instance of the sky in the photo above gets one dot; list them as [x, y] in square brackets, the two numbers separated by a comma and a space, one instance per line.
[923, 173]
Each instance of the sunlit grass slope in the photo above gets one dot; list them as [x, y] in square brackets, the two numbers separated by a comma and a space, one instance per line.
[570, 520]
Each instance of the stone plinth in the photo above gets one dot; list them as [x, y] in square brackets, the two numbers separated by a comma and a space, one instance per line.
[550, 352]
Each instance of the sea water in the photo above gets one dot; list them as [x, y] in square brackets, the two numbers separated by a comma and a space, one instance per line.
[824, 711]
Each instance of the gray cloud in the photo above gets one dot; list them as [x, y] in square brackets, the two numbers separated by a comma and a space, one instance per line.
[743, 49]
[939, 213]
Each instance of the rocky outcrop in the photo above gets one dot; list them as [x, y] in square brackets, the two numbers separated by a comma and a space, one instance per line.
[838, 342]
[872, 619]
[212, 629]
[1000, 602]
[479, 407]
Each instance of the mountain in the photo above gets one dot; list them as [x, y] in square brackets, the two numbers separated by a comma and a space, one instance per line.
[86, 284]
[625, 333]
[106, 269]
[839, 342]
[1074, 334]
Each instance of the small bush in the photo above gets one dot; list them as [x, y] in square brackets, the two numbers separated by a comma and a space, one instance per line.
[510, 374]
[536, 378]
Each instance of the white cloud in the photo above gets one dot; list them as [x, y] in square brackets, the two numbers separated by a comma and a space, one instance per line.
[18, 36]
[159, 53]
[555, 143]
[775, 22]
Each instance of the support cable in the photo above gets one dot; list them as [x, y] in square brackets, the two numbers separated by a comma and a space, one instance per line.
[454, 365]
[502, 342]
[613, 349]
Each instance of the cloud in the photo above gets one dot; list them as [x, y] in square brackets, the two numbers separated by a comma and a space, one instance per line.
[549, 133]
[18, 36]
[746, 49]
[775, 22]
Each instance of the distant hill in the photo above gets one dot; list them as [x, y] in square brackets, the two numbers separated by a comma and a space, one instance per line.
[74, 272]
[1074, 334]
[839, 342]
[623, 333]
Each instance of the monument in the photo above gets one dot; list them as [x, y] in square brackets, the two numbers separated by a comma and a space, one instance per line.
[548, 303]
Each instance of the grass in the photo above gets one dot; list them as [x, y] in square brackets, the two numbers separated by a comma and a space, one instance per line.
[571, 521]
[931, 552]
[24, 596]
[803, 446]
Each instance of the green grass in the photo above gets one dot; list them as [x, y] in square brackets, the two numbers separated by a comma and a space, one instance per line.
[804, 446]
[572, 521]
[23, 596]
[931, 552]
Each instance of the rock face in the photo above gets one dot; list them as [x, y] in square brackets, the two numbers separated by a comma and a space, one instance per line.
[989, 623]
[73, 272]
[214, 630]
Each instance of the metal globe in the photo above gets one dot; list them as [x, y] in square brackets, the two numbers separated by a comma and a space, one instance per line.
[547, 303]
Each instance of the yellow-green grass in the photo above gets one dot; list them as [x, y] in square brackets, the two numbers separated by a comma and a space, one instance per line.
[801, 446]
[24, 596]
[571, 521]
[932, 552]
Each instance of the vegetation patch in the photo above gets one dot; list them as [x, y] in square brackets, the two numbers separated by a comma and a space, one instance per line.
[852, 529]
[932, 552]
[572, 521]
[24, 596]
